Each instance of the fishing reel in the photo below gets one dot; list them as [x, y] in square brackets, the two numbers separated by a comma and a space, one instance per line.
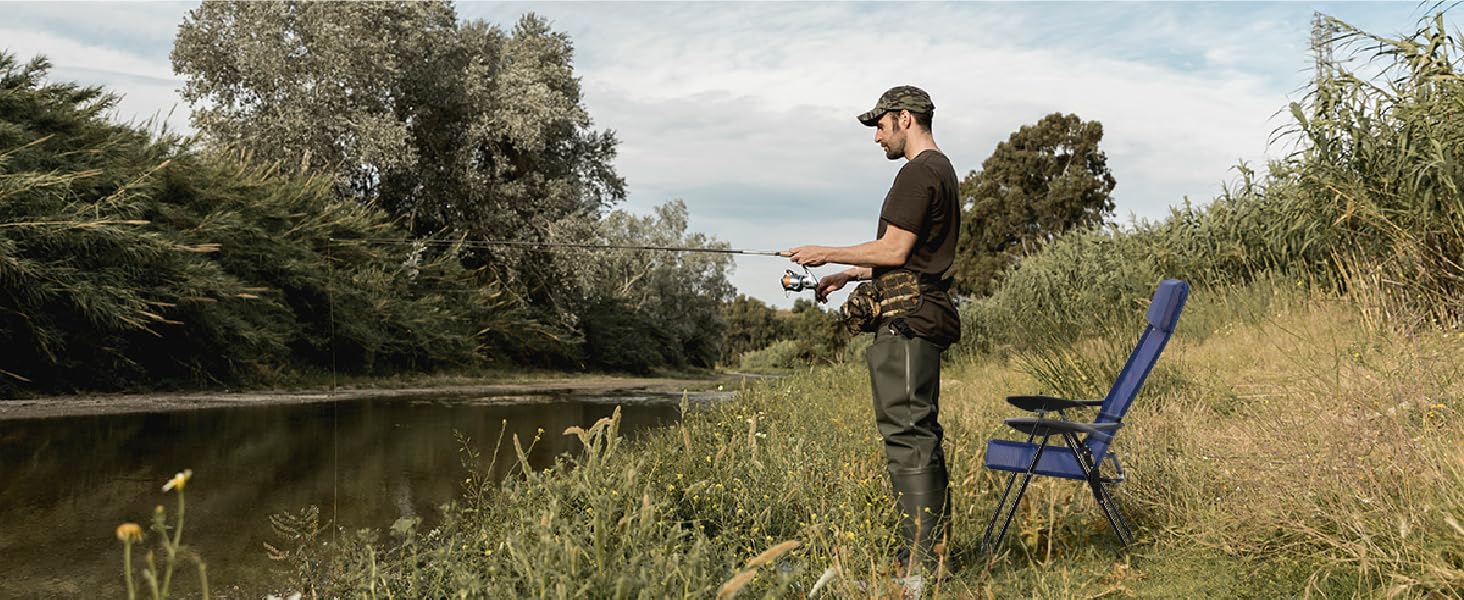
[797, 282]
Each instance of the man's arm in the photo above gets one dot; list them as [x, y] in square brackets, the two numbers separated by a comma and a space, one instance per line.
[890, 250]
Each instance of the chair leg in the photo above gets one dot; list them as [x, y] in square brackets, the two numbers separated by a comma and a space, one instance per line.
[1100, 493]
[995, 514]
[989, 545]
[1109, 506]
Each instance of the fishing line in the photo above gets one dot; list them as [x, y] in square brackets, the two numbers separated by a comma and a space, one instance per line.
[791, 281]
[556, 245]
[335, 443]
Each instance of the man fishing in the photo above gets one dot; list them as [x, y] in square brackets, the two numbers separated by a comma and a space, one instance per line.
[906, 303]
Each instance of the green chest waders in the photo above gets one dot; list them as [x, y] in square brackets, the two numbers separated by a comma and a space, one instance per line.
[905, 377]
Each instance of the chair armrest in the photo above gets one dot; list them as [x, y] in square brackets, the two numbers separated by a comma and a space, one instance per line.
[1048, 403]
[1046, 427]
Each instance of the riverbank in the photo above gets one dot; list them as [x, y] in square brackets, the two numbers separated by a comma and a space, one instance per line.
[538, 384]
[1280, 449]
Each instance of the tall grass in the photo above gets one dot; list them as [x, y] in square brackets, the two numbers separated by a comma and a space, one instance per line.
[1290, 450]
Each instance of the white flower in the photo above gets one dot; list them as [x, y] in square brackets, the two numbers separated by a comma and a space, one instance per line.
[179, 480]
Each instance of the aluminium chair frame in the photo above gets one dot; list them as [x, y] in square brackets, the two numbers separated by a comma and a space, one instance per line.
[1077, 459]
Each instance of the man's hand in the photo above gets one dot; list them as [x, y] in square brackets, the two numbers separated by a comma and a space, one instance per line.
[830, 283]
[810, 256]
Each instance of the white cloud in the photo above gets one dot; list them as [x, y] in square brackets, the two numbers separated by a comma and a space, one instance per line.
[146, 83]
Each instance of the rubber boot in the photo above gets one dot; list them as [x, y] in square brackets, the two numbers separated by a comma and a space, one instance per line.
[925, 518]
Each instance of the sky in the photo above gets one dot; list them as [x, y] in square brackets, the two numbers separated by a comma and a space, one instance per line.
[745, 111]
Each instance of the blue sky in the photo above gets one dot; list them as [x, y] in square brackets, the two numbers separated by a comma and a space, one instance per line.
[746, 110]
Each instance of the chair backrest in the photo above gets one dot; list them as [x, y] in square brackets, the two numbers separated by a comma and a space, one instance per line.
[1164, 311]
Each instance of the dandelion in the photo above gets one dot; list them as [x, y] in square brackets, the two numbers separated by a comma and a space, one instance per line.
[129, 532]
[177, 482]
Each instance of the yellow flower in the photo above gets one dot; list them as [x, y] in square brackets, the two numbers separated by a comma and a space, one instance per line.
[129, 532]
[179, 480]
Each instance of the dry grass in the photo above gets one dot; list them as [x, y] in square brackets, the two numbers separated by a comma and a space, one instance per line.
[1284, 450]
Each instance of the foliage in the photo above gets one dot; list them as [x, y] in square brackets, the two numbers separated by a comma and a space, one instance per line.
[127, 261]
[463, 132]
[819, 332]
[1370, 205]
[1046, 179]
[805, 335]
[751, 325]
[782, 354]
[457, 129]
[1384, 163]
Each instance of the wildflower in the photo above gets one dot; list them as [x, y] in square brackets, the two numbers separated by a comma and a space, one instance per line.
[178, 481]
[129, 532]
[670, 488]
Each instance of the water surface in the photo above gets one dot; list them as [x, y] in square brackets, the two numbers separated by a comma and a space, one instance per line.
[66, 483]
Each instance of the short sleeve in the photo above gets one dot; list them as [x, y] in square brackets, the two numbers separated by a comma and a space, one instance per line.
[908, 200]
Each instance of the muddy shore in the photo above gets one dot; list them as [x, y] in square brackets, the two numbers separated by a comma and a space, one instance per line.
[104, 404]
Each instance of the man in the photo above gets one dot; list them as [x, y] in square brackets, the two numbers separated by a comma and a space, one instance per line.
[916, 235]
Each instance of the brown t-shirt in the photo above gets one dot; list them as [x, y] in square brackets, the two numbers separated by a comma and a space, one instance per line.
[926, 200]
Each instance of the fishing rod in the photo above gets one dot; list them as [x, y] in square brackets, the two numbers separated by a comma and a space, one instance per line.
[791, 281]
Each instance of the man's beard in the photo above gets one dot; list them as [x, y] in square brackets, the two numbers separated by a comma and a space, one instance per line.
[895, 153]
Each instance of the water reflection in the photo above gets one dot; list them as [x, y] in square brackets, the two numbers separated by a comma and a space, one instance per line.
[66, 483]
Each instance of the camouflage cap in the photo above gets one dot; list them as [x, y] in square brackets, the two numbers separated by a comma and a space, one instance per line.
[903, 97]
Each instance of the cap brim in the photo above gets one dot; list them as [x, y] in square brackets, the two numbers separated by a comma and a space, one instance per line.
[871, 118]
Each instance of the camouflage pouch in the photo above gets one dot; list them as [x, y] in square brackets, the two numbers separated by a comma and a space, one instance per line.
[899, 293]
[861, 310]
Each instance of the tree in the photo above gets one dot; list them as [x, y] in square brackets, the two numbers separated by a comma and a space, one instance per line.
[751, 325]
[458, 130]
[677, 294]
[1044, 180]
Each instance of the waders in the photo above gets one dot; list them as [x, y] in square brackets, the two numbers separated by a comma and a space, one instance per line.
[905, 377]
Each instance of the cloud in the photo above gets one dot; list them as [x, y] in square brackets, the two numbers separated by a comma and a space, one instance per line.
[145, 82]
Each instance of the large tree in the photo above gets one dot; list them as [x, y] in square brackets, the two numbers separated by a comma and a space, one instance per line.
[458, 130]
[1045, 179]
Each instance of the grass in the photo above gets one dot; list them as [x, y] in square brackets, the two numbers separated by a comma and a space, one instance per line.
[1285, 449]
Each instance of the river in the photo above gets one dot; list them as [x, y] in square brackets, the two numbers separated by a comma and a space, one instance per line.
[67, 482]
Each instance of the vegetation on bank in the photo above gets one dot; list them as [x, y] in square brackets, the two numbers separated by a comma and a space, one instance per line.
[135, 260]
[1282, 447]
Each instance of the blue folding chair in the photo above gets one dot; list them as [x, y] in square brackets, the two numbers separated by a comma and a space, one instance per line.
[1074, 459]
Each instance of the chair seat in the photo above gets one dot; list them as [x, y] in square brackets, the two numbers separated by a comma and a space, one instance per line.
[1013, 456]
